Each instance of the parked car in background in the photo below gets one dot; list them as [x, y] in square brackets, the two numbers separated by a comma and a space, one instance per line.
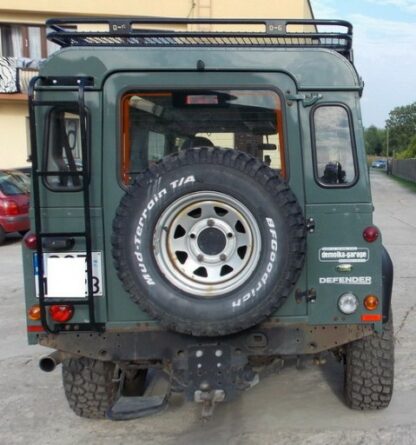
[27, 170]
[14, 204]
[20, 176]
[379, 163]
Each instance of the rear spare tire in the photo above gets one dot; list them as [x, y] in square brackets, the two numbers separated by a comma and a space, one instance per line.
[209, 241]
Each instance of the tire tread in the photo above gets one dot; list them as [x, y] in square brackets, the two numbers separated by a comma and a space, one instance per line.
[369, 370]
[89, 386]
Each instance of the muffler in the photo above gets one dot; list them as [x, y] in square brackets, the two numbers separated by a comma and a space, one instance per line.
[49, 362]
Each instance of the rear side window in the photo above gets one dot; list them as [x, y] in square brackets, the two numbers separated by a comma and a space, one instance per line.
[64, 150]
[334, 149]
[156, 124]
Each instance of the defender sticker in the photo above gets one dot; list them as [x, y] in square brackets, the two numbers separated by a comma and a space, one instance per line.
[346, 280]
[344, 254]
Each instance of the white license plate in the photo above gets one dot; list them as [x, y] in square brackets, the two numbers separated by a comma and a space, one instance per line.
[65, 274]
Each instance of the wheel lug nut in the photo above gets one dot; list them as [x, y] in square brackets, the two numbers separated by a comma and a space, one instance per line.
[230, 235]
[200, 257]
[193, 236]
[223, 257]
[210, 222]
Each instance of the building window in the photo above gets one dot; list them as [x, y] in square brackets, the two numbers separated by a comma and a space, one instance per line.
[25, 41]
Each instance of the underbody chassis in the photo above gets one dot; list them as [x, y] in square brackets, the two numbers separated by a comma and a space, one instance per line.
[207, 370]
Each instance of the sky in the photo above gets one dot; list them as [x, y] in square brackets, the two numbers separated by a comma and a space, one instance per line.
[384, 43]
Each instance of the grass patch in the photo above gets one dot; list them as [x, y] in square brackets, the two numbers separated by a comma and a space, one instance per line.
[410, 185]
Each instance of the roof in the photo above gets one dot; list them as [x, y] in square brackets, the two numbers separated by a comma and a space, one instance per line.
[315, 60]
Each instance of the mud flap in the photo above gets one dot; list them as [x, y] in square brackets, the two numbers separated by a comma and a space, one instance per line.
[387, 271]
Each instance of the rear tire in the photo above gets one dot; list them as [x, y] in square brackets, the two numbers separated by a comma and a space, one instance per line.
[2, 235]
[369, 370]
[89, 386]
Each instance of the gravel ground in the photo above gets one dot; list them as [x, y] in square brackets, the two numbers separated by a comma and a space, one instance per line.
[294, 407]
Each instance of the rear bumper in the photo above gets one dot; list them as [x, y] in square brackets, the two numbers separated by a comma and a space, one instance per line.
[156, 344]
[15, 223]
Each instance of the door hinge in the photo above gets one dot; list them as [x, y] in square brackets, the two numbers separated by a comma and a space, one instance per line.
[310, 225]
[306, 99]
[309, 295]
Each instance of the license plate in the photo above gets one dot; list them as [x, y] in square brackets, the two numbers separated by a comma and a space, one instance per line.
[65, 274]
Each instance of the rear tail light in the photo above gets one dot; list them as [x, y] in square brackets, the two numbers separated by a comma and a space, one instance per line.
[61, 313]
[30, 240]
[34, 312]
[10, 208]
[370, 234]
[35, 328]
[371, 317]
[371, 302]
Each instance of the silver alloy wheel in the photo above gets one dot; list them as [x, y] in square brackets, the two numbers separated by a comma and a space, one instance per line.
[207, 243]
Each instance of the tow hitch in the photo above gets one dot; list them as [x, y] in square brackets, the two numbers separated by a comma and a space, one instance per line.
[213, 373]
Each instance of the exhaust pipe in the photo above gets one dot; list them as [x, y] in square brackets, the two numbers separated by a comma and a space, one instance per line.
[49, 362]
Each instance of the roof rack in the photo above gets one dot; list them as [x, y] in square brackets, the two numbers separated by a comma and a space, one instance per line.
[277, 33]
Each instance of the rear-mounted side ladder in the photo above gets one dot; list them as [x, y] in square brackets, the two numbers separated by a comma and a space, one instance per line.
[37, 175]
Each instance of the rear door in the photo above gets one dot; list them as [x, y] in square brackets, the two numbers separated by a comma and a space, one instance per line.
[118, 153]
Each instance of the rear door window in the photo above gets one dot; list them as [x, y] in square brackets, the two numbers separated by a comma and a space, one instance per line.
[156, 124]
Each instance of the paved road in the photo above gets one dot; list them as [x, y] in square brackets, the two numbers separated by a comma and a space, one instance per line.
[295, 407]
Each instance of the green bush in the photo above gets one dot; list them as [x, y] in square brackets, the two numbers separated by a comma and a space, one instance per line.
[409, 152]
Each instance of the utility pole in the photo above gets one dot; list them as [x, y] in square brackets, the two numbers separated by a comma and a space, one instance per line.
[387, 142]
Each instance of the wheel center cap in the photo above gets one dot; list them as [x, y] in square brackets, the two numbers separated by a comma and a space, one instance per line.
[211, 241]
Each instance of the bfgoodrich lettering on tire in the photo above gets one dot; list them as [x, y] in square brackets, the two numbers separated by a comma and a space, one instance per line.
[209, 241]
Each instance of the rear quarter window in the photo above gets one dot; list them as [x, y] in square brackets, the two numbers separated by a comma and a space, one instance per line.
[64, 150]
[334, 151]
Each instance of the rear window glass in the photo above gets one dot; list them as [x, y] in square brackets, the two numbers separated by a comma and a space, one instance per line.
[160, 123]
[64, 150]
[10, 186]
[333, 146]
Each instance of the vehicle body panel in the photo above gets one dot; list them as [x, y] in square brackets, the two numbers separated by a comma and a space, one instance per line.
[294, 74]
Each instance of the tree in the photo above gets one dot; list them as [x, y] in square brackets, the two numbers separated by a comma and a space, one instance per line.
[402, 126]
[374, 140]
[410, 151]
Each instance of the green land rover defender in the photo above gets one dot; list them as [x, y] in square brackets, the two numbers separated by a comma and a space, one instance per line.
[201, 210]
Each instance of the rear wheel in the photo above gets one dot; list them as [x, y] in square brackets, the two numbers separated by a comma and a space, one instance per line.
[369, 370]
[89, 386]
[2, 235]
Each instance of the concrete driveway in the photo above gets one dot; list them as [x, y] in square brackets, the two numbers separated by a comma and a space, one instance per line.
[294, 407]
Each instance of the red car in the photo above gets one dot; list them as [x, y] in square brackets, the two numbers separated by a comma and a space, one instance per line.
[14, 205]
